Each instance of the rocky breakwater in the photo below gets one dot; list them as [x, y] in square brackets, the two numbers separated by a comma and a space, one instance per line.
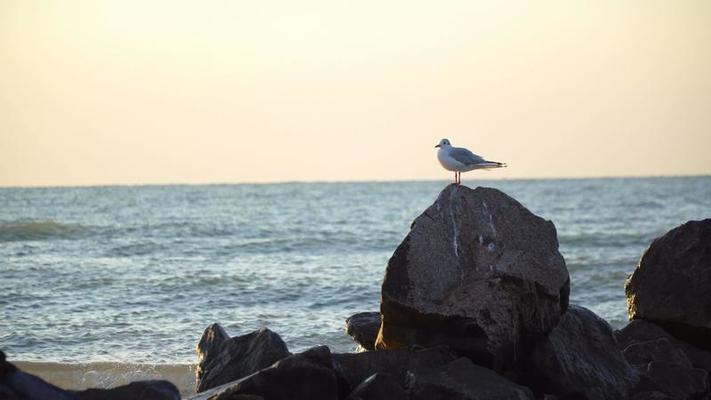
[479, 273]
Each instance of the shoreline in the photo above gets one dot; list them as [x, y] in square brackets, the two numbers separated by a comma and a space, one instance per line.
[105, 374]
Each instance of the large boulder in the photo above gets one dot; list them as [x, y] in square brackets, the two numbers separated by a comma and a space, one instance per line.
[580, 359]
[355, 368]
[304, 376]
[363, 328]
[670, 286]
[477, 272]
[463, 380]
[222, 359]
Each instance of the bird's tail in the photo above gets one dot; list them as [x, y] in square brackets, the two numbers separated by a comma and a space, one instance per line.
[491, 164]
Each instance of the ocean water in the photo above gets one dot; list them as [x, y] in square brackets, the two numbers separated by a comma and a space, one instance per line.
[133, 274]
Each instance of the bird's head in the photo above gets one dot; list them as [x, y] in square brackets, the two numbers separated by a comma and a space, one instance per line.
[443, 143]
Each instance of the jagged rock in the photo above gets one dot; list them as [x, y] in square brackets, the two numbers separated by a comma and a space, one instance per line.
[208, 347]
[639, 331]
[140, 390]
[222, 360]
[670, 286]
[580, 359]
[379, 387]
[478, 272]
[355, 368]
[363, 328]
[304, 376]
[462, 380]
[660, 349]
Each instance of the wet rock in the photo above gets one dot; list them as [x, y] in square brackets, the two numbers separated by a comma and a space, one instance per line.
[463, 380]
[140, 390]
[363, 328]
[670, 286]
[478, 272]
[639, 331]
[355, 368]
[304, 376]
[222, 359]
[379, 387]
[580, 359]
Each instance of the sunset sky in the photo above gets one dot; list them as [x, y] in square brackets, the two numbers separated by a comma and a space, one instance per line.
[122, 92]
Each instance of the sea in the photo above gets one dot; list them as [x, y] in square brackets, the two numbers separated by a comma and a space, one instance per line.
[103, 285]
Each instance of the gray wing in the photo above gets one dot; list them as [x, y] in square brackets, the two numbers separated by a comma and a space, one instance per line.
[465, 156]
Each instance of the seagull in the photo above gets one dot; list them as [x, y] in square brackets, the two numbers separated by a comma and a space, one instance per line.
[459, 159]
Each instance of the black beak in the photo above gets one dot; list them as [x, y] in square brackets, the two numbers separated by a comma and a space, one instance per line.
[437, 146]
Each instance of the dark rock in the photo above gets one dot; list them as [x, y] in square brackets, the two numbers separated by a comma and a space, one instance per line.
[8, 394]
[140, 390]
[222, 360]
[462, 380]
[379, 387]
[478, 272]
[580, 359]
[355, 368]
[673, 380]
[638, 331]
[209, 346]
[304, 376]
[363, 328]
[670, 286]
[651, 395]
[660, 349]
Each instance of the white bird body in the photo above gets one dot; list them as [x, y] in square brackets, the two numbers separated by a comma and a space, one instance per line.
[459, 159]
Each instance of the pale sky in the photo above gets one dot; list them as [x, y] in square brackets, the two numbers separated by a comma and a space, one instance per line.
[121, 92]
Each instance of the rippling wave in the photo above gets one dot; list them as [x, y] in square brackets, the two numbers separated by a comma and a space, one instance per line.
[39, 230]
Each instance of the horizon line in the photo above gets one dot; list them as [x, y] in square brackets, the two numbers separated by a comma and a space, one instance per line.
[363, 181]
